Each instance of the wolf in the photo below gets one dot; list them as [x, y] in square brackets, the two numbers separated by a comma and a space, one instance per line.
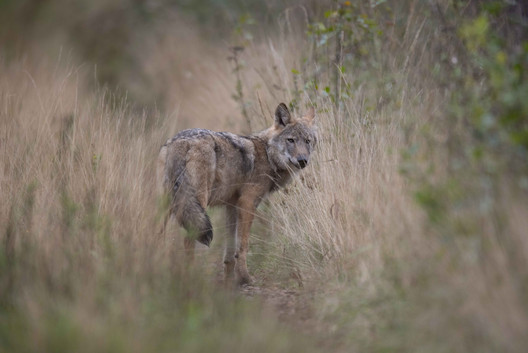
[198, 168]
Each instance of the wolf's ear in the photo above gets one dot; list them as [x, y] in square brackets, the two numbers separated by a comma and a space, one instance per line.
[282, 116]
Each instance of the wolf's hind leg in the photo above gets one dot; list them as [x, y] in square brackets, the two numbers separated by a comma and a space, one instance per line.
[230, 243]
[246, 213]
[188, 244]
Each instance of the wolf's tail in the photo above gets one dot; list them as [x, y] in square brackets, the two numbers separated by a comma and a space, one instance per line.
[184, 204]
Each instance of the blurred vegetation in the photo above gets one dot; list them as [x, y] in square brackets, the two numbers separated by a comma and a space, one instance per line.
[103, 33]
[475, 57]
[446, 79]
[466, 160]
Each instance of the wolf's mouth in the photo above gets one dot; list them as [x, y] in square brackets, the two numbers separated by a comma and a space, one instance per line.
[299, 164]
[294, 163]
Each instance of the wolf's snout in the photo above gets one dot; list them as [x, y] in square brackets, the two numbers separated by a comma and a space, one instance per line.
[303, 162]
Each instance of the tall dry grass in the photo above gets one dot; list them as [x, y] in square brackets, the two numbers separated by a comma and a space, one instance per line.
[390, 269]
[82, 265]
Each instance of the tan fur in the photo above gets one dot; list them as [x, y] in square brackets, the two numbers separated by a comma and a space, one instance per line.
[199, 168]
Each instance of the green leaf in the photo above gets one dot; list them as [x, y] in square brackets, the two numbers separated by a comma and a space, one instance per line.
[329, 13]
[475, 33]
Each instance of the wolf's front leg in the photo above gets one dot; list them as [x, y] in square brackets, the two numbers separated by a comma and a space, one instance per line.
[246, 212]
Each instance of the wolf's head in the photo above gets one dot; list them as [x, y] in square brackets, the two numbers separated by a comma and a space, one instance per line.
[291, 141]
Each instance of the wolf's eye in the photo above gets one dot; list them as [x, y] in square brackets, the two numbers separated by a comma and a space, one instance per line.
[307, 141]
[290, 140]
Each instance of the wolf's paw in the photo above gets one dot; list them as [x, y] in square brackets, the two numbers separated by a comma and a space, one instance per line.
[245, 281]
[243, 278]
[206, 237]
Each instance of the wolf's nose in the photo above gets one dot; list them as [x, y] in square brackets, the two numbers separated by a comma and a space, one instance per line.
[302, 162]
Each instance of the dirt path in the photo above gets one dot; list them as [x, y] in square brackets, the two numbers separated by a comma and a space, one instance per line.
[284, 301]
[292, 307]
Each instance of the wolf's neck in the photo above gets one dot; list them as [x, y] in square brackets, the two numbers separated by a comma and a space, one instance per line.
[260, 140]
[278, 177]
